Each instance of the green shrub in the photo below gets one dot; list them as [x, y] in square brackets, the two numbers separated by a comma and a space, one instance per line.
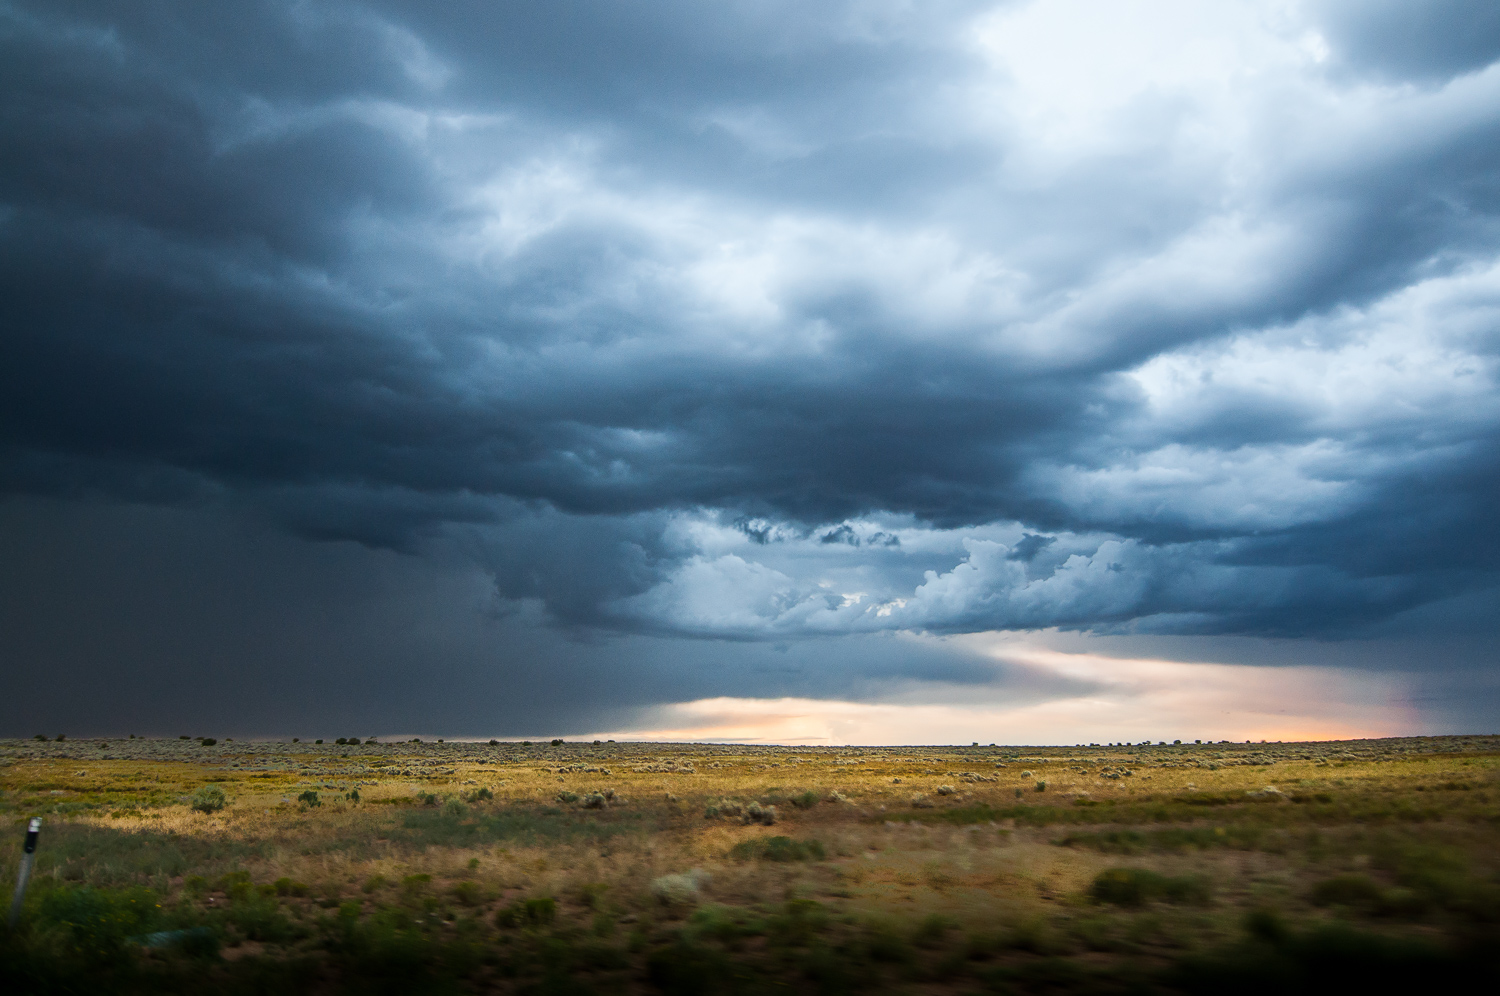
[469, 893]
[373, 883]
[931, 931]
[777, 849]
[285, 886]
[97, 924]
[309, 798]
[236, 885]
[538, 912]
[209, 799]
[807, 800]
[1135, 886]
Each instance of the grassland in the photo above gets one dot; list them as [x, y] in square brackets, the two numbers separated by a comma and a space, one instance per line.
[601, 868]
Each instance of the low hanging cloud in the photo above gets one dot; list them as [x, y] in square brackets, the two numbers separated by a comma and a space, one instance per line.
[770, 322]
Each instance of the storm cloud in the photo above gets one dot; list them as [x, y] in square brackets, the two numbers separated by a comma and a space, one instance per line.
[756, 327]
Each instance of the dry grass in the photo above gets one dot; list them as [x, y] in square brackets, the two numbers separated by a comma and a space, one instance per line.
[980, 879]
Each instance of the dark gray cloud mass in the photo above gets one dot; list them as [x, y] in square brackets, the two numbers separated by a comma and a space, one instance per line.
[572, 346]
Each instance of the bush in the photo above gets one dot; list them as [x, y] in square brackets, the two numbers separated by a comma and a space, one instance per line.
[537, 912]
[208, 741]
[97, 924]
[777, 849]
[309, 798]
[209, 799]
[1347, 890]
[756, 813]
[455, 808]
[469, 893]
[681, 889]
[806, 800]
[1134, 886]
[285, 886]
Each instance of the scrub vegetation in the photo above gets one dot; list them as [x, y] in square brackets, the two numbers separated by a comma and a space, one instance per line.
[571, 868]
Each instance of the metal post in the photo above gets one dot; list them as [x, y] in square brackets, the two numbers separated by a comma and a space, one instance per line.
[28, 855]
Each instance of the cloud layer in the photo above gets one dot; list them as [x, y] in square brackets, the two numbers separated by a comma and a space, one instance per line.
[769, 322]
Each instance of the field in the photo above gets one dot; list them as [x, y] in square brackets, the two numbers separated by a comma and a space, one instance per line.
[601, 868]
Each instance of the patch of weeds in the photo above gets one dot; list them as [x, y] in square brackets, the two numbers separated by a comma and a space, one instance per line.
[209, 799]
[806, 800]
[726, 924]
[591, 894]
[1358, 891]
[883, 943]
[96, 925]
[373, 883]
[1169, 839]
[309, 799]
[799, 921]
[1136, 886]
[777, 848]
[932, 931]
[286, 886]
[470, 893]
[538, 912]
[546, 825]
[261, 918]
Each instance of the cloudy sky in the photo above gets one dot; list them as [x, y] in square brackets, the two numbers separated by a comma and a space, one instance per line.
[840, 372]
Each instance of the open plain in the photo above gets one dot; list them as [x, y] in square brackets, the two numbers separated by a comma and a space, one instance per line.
[567, 867]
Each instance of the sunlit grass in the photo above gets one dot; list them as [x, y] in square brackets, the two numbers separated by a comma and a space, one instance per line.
[506, 866]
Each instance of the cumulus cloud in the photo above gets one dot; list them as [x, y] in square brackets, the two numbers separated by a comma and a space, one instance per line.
[773, 322]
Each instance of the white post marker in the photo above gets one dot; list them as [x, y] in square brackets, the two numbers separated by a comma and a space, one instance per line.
[28, 855]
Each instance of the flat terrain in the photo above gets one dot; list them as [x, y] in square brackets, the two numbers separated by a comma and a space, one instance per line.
[578, 867]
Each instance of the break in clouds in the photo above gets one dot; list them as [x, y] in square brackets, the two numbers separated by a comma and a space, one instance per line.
[770, 320]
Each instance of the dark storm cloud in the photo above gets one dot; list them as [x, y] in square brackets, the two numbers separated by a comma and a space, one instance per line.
[764, 320]
[1435, 40]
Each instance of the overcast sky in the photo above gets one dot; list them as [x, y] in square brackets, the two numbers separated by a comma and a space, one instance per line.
[1050, 371]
